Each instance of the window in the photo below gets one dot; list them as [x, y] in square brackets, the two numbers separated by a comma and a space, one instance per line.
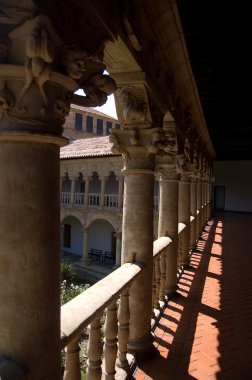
[78, 121]
[117, 126]
[89, 124]
[99, 126]
[109, 125]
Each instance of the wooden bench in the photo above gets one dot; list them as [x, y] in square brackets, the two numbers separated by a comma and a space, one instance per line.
[108, 255]
[95, 253]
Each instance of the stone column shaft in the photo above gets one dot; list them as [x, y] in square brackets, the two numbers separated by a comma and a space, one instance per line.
[118, 236]
[184, 217]
[193, 207]
[120, 192]
[199, 208]
[87, 180]
[73, 183]
[103, 184]
[168, 226]
[137, 245]
[85, 258]
[30, 256]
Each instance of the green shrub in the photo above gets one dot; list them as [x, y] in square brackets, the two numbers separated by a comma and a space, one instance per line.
[69, 291]
[67, 273]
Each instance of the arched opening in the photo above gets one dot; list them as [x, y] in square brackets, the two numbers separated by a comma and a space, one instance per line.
[72, 236]
[111, 191]
[101, 237]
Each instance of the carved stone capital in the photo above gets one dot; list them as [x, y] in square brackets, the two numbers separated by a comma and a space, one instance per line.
[39, 74]
[138, 147]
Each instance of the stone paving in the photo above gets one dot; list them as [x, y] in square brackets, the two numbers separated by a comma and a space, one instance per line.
[206, 333]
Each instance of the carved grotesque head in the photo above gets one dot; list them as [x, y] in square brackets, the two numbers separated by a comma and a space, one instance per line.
[74, 61]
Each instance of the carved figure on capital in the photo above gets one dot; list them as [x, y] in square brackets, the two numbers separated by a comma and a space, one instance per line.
[43, 72]
[135, 107]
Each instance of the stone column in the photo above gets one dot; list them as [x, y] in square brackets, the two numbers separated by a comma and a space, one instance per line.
[73, 182]
[199, 208]
[36, 84]
[103, 184]
[137, 143]
[193, 212]
[168, 226]
[118, 236]
[87, 181]
[120, 180]
[184, 216]
[85, 259]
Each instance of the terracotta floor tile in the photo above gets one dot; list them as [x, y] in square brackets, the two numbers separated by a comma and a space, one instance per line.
[207, 332]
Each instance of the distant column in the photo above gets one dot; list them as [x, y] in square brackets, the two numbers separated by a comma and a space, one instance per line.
[85, 259]
[73, 182]
[103, 184]
[184, 216]
[118, 236]
[87, 181]
[193, 212]
[120, 191]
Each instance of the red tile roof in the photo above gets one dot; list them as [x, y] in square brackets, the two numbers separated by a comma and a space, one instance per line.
[89, 147]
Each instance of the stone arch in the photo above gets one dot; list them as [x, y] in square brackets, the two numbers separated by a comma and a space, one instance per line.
[72, 235]
[101, 235]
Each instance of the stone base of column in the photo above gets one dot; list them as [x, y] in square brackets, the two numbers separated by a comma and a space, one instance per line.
[85, 261]
[171, 291]
[185, 263]
[142, 349]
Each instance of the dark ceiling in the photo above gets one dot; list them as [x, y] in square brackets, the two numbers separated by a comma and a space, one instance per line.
[218, 35]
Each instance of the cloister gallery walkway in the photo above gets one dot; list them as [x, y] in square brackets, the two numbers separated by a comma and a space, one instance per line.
[206, 333]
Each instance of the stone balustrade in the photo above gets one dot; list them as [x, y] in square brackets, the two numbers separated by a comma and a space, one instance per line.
[87, 309]
[160, 247]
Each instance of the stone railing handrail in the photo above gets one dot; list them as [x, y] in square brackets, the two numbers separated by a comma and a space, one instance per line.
[160, 244]
[78, 313]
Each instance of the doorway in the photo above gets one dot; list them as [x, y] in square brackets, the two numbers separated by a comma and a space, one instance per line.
[219, 198]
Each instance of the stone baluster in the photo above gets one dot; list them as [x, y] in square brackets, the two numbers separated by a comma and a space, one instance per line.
[110, 346]
[73, 183]
[72, 366]
[103, 185]
[123, 331]
[94, 370]
[87, 181]
[85, 258]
